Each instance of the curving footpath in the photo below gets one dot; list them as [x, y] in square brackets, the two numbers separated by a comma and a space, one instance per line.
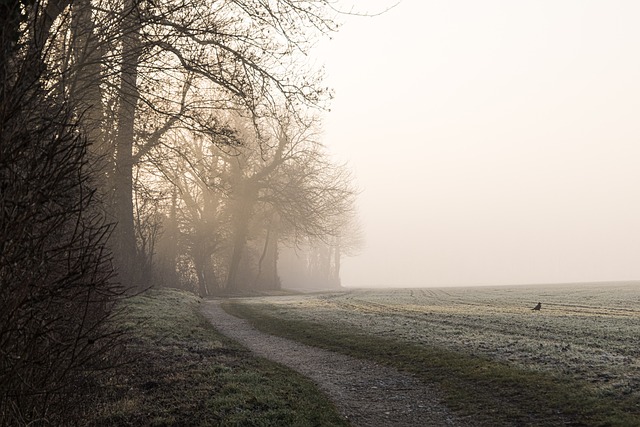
[366, 393]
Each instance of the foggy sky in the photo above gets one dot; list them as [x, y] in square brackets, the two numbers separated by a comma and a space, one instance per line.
[496, 142]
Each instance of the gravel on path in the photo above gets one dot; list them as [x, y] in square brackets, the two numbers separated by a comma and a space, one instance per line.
[366, 393]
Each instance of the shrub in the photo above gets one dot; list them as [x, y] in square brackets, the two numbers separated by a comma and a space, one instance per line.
[56, 293]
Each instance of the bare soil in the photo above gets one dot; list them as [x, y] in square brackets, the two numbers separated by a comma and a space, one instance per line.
[366, 393]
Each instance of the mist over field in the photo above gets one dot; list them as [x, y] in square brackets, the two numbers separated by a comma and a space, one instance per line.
[494, 142]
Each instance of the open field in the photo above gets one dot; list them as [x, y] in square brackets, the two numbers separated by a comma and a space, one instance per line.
[585, 341]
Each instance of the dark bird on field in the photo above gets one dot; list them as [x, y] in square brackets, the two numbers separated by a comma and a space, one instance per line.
[537, 307]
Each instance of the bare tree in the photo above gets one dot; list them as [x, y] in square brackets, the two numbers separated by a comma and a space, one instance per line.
[286, 187]
[148, 223]
[196, 174]
[316, 202]
[159, 65]
[237, 201]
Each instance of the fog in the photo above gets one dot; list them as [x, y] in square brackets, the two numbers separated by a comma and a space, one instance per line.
[494, 142]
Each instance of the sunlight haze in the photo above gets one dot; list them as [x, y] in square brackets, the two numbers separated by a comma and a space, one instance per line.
[494, 142]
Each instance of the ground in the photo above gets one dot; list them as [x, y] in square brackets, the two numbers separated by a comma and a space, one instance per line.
[366, 393]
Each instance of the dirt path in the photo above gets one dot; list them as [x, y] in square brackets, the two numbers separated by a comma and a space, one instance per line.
[366, 393]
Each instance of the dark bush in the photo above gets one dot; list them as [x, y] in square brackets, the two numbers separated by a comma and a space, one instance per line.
[56, 293]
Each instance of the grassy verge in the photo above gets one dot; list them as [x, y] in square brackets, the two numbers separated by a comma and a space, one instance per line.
[182, 372]
[489, 392]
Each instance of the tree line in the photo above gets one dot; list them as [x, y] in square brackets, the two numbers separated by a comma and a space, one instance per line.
[147, 143]
[215, 218]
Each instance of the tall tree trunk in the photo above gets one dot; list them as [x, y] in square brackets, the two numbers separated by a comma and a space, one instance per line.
[273, 280]
[36, 22]
[125, 243]
[201, 256]
[336, 263]
[267, 275]
[169, 257]
[85, 88]
[241, 225]
[164, 271]
[258, 281]
[199, 262]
